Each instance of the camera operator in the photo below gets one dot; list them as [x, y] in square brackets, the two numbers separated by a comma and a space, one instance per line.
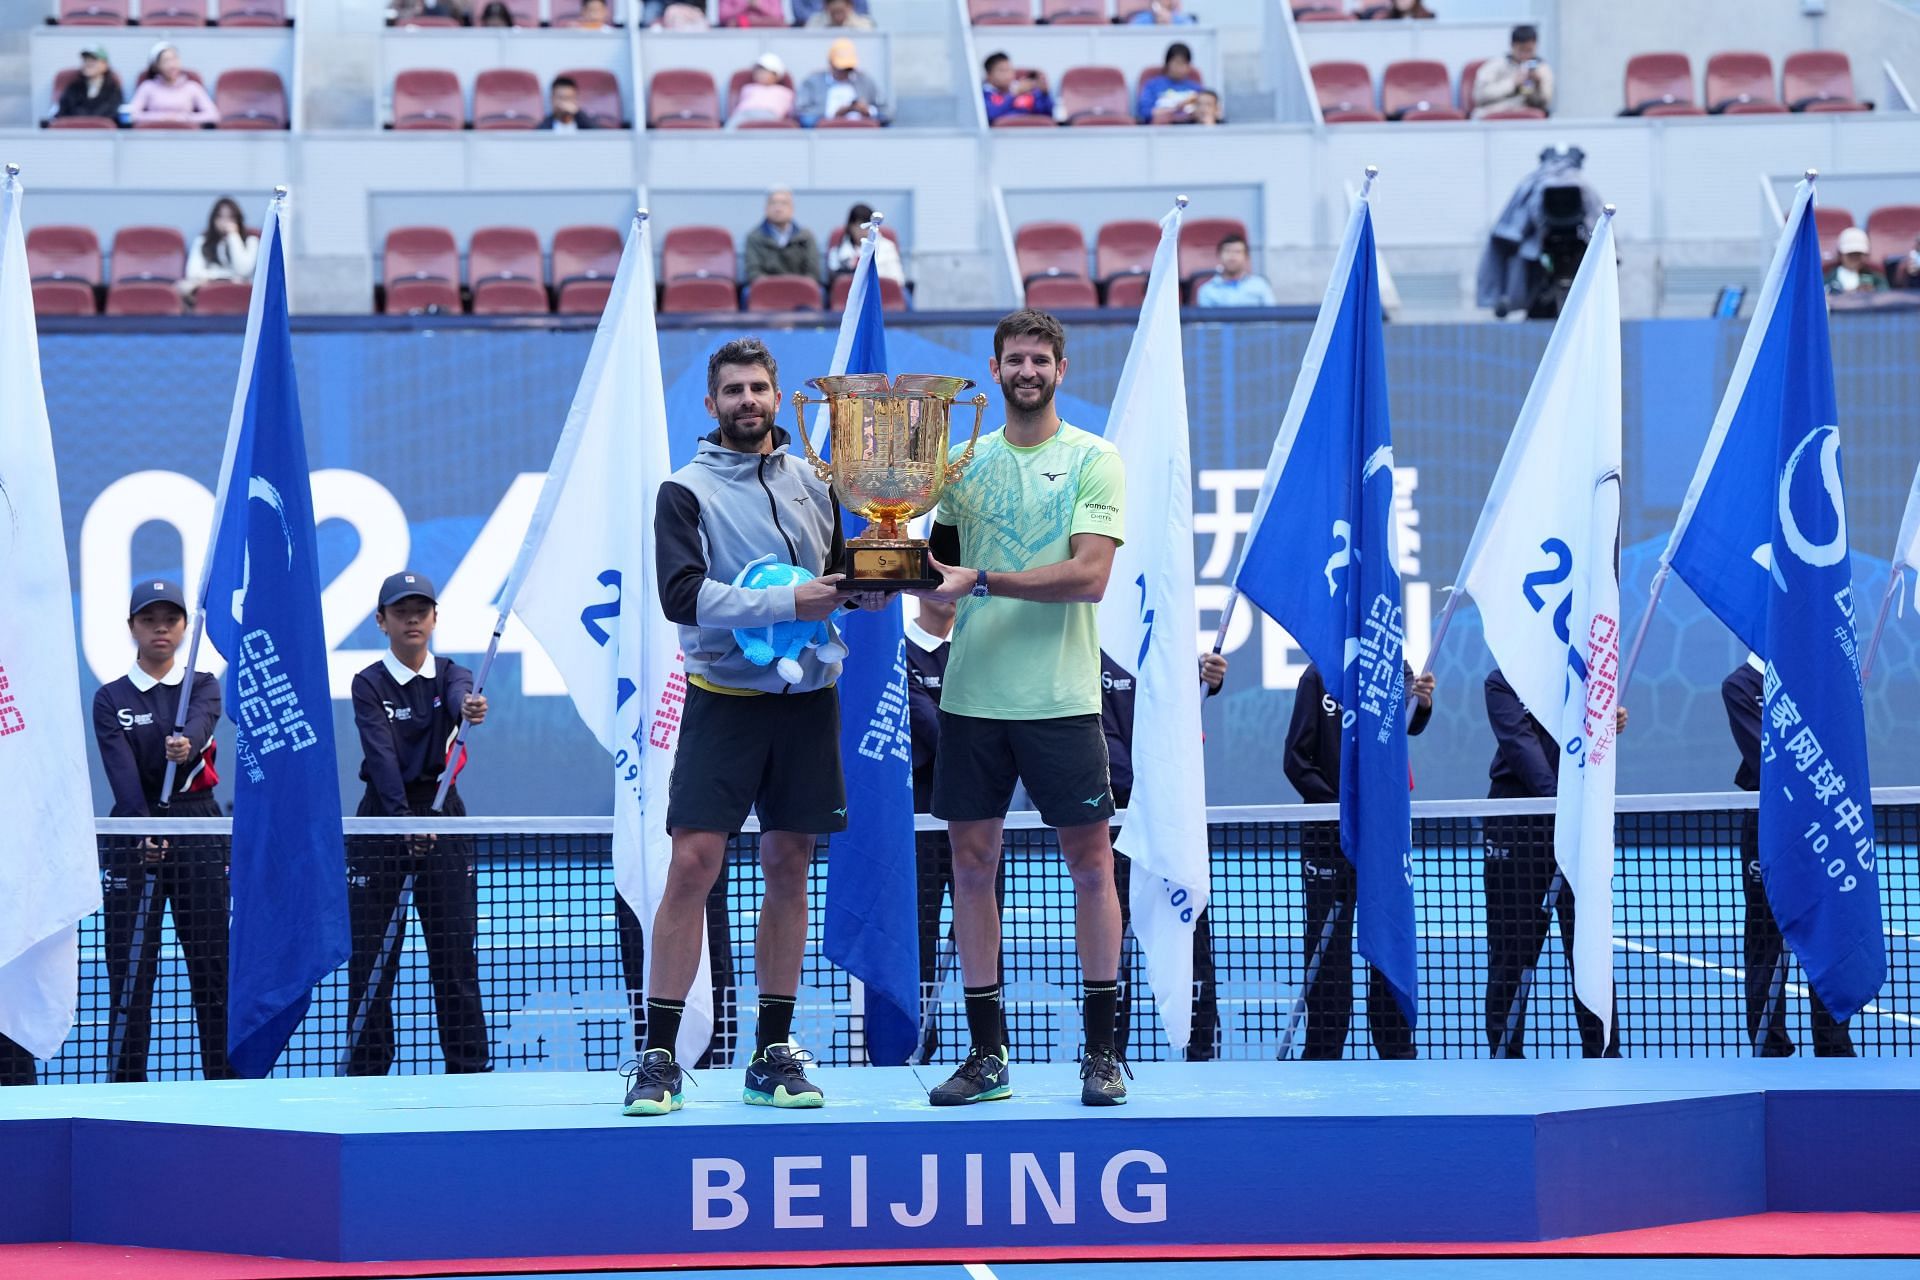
[1520, 79]
[1537, 242]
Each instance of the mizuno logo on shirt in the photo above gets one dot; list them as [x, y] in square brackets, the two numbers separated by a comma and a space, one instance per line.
[1053, 475]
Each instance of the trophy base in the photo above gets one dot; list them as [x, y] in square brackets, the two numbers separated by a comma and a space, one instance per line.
[900, 565]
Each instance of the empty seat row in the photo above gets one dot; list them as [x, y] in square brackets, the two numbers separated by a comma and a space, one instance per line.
[1059, 13]
[503, 98]
[172, 13]
[1738, 83]
[247, 98]
[1412, 89]
[1054, 263]
[64, 265]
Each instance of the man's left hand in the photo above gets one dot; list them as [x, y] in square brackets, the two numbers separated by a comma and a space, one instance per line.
[955, 582]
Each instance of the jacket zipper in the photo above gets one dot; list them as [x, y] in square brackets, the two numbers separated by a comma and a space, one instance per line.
[793, 554]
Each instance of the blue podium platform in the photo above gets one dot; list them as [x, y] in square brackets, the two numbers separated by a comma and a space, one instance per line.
[530, 1164]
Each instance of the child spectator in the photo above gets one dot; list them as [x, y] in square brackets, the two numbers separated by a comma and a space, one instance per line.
[1010, 94]
[168, 95]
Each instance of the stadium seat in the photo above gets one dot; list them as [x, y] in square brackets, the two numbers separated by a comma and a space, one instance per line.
[428, 99]
[1660, 84]
[1074, 13]
[1062, 293]
[143, 298]
[599, 96]
[683, 297]
[420, 253]
[1742, 84]
[251, 98]
[683, 99]
[1891, 230]
[428, 20]
[1321, 11]
[148, 253]
[63, 298]
[585, 253]
[1127, 291]
[784, 293]
[1828, 222]
[1345, 93]
[498, 255]
[848, 122]
[1200, 244]
[253, 13]
[93, 13]
[698, 253]
[1025, 122]
[566, 13]
[419, 297]
[222, 298]
[1124, 248]
[511, 298]
[82, 122]
[584, 297]
[1125, 10]
[507, 98]
[168, 124]
[1050, 249]
[892, 296]
[1819, 80]
[1000, 13]
[1467, 74]
[1417, 89]
[1095, 95]
[173, 13]
[63, 253]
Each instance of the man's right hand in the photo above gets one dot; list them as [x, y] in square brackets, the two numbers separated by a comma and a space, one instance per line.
[818, 599]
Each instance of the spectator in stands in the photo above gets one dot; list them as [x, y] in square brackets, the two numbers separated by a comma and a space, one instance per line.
[1519, 79]
[1163, 13]
[1854, 273]
[166, 93]
[1205, 110]
[95, 91]
[780, 247]
[676, 15]
[1906, 272]
[1011, 94]
[805, 11]
[1235, 284]
[404, 11]
[840, 14]
[1400, 9]
[224, 251]
[751, 13]
[496, 14]
[1171, 91]
[764, 97]
[843, 254]
[841, 91]
[564, 114]
[594, 16]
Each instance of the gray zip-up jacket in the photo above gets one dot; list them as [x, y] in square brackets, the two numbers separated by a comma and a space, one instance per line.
[715, 516]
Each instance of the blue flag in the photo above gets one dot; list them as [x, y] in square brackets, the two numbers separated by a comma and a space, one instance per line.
[1320, 560]
[872, 923]
[262, 598]
[1762, 540]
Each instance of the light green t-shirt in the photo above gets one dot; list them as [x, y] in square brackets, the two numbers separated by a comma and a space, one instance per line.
[1018, 508]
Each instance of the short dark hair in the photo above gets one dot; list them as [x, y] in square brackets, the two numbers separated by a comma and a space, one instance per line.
[1178, 49]
[994, 60]
[860, 215]
[1525, 33]
[1232, 237]
[1029, 323]
[565, 82]
[741, 351]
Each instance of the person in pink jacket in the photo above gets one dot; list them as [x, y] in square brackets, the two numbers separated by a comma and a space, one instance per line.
[168, 95]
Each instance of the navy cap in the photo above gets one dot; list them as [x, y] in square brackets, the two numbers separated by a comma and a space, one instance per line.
[156, 591]
[406, 583]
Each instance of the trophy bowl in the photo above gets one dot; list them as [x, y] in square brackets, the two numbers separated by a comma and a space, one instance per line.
[887, 462]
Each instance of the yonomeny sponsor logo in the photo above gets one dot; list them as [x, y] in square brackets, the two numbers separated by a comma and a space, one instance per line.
[807, 1192]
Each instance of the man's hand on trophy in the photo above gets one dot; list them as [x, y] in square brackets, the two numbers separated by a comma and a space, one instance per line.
[868, 601]
[954, 582]
[818, 598]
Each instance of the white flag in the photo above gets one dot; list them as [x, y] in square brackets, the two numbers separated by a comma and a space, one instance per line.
[1906, 548]
[1543, 567]
[49, 873]
[585, 586]
[1147, 624]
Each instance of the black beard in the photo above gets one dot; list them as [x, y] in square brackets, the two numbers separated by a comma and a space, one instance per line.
[744, 437]
[1007, 390]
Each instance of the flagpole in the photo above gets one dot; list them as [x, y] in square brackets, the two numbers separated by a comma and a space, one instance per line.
[1454, 595]
[1880, 623]
[271, 233]
[1632, 659]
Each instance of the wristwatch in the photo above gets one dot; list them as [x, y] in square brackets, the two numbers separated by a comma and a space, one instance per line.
[980, 591]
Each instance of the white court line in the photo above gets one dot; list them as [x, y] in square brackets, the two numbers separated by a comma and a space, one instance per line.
[980, 1271]
[1792, 988]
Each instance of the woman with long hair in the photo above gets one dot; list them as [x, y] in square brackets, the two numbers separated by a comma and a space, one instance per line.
[168, 95]
[224, 251]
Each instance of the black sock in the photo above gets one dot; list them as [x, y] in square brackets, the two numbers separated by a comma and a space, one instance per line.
[1100, 1011]
[776, 1022]
[986, 1018]
[663, 1022]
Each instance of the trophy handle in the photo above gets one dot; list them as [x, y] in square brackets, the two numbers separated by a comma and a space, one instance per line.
[822, 469]
[959, 464]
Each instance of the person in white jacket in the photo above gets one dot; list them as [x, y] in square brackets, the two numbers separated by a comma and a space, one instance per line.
[224, 251]
[843, 251]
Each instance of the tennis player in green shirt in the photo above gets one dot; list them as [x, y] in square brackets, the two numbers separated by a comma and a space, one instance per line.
[1024, 542]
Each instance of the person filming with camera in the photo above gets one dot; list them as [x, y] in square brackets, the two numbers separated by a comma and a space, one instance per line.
[1519, 80]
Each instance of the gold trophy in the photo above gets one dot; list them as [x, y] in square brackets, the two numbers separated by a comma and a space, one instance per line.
[889, 464]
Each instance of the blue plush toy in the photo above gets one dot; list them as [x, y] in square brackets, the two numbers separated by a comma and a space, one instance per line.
[784, 641]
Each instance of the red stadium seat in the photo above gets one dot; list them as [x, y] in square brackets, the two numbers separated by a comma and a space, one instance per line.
[251, 98]
[585, 253]
[1127, 291]
[1095, 95]
[83, 122]
[507, 98]
[93, 13]
[1819, 80]
[504, 253]
[1124, 247]
[1074, 13]
[428, 99]
[1345, 93]
[253, 13]
[599, 96]
[428, 20]
[143, 298]
[1891, 230]
[1000, 13]
[173, 13]
[420, 253]
[1050, 249]
[1062, 293]
[566, 13]
[63, 298]
[1660, 84]
[167, 124]
[1125, 10]
[682, 297]
[1742, 84]
[1417, 89]
[584, 297]
[148, 253]
[892, 296]
[784, 293]
[63, 253]
[1025, 122]
[511, 298]
[419, 297]
[1330, 12]
[222, 298]
[682, 99]
[1828, 222]
[699, 253]
[1200, 244]
[1465, 97]
[848, 122]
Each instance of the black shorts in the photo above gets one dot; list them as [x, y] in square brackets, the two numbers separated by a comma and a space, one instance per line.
[777, 754]
[1063, 762]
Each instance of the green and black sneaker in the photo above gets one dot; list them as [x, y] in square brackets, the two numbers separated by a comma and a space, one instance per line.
[653, 1084]
[778, 1078]
[984, 1077]
[1100, 1082]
